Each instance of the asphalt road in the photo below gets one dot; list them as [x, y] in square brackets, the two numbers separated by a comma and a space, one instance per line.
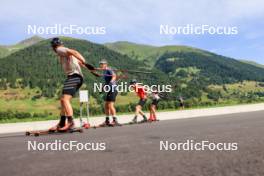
[135, 150]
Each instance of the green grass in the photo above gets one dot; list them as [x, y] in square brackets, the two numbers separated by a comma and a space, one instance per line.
[129, 98]
[21, 100]
[163, 110]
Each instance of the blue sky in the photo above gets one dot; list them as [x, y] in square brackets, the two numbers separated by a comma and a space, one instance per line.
[139, 20]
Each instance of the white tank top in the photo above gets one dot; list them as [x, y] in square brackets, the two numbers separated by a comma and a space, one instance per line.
[155, 96]
[70, 64]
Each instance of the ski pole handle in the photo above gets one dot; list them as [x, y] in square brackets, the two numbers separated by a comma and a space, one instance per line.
[89, 66]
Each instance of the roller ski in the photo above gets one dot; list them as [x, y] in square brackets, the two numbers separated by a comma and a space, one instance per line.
[115, 122]
[106, 123]
[153, 118]
[46, 132]
[61, 127]
[135, 121]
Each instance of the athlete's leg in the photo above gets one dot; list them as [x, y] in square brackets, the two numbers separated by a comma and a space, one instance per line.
[66, 104]
[113, 113]
[112, 109]
[107, 113]
[150, 113]
[62, 112]
[142, 113]
[153, 110]
[107, 109]
[71, 86]
[138, 110]
[62, 121]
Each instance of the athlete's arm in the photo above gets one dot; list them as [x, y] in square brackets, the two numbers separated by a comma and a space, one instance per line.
[149, 93]
[77, 55]
[112, 73]
[113, 77]
[81, 60]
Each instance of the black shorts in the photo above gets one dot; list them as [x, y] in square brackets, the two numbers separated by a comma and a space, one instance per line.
[142, 102]
[72, 84]
[155, 102]
[111, 96]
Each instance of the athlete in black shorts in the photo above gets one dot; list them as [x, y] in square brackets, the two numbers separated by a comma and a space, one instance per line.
[110, 94]
[71, 61]
[181, 101]
[141, 93]
[154, 95]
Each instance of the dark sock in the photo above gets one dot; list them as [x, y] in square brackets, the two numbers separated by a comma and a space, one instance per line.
[70, 119]
[114, 119]
[62, 121]
[107, 119]
[135, 118]
[145, 118]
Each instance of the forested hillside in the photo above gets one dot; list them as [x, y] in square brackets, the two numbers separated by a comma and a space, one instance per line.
[37, 65]
[31, 78]
[215, 68]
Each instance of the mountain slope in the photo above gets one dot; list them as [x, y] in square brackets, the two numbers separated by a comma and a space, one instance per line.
[200, 77]
[7, 50]
[252, 63]
[37, 65]
[214, 68]
[30, 41]
[175, 60]
[3, 51]
[149, 53]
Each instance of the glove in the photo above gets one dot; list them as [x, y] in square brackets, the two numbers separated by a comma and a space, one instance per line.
[90, 67]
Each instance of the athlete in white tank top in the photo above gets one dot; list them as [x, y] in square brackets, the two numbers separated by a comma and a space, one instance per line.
[71, 61]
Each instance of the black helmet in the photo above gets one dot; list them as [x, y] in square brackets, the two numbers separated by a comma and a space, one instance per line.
[56, 42]
[133, 81]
